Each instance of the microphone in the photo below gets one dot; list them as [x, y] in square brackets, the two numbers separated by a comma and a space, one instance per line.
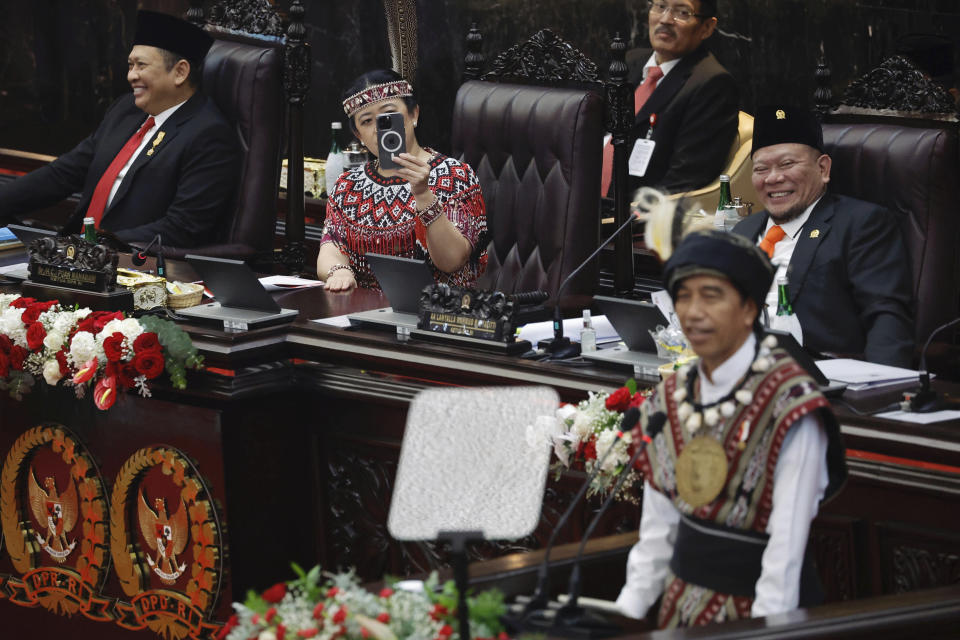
[570, 615]
[560, 346]
[139, 257]
[926, 399]
[541, 594]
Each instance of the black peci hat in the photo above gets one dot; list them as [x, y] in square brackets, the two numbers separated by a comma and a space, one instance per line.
[178, 36]
[777, 124]
[726, 255]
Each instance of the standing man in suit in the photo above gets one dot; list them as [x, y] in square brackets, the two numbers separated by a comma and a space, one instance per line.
[847, 267]
[686, 102]
[163, 160]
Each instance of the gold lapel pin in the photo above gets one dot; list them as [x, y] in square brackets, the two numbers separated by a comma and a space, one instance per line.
[157, 140]
[815, 233]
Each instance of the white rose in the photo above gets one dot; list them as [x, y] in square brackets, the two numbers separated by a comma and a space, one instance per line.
[582, 426]
[617, 457]
[83, 347]
[54, 340]
[63, 323]
[130, 327]
[82, 313]
[112, 327]
[51, 371]
[566, 411]
[267, 634]
[562, 446]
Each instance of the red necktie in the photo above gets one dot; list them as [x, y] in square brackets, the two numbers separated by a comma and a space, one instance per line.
[640, 96]
[100, 195]
[774, 235]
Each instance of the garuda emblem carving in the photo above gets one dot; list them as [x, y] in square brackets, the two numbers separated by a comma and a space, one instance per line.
[58, 512]
[166, 535]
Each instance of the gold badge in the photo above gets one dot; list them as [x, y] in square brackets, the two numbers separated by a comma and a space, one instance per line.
[71, 252]
[157, 140]
[815, 233]
[701, 471]
[781, 114]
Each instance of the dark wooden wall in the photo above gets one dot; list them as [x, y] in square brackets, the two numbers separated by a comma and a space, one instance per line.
[62, 63]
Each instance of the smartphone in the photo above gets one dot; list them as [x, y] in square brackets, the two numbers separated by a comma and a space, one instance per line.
[391, 138]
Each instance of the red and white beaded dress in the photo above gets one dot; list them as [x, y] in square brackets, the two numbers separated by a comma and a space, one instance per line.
[370, 213]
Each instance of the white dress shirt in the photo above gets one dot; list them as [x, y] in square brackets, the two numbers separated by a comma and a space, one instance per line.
[158, 121]
[783, 250]
[799, 482]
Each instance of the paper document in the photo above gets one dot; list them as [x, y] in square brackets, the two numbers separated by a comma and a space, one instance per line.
[334, 321]
[280, 283]
[14, 268]
[920, 418]
[858, 372]
[537, 331]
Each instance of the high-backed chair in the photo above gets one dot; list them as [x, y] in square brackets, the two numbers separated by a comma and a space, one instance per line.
[911, 165]
[244, 73]
[536, 151]
[738, 166]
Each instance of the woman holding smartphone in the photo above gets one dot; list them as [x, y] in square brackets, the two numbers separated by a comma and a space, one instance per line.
[424, 206]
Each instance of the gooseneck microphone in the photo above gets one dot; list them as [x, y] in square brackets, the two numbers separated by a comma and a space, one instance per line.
[560, 346]
[926, 399]
[571, 615]
[541, 595]
[139, 256]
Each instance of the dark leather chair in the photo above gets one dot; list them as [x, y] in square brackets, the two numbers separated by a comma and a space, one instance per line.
[535, 150]
[914, 172]
[244, 76]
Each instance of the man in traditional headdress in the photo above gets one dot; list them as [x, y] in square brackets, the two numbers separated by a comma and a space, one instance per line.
[845, 260]
[749, 450]
[163, 160]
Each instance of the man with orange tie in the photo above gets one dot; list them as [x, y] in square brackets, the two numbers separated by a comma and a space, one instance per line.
[685, 101]
[163, 160]
[845, 260]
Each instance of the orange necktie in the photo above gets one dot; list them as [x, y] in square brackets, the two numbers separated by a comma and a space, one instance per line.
[774, 235]
[640, 97]
[98, 202]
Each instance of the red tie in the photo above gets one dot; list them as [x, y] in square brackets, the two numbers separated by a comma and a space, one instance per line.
[640, 96]
[99, 200]
[774, 235]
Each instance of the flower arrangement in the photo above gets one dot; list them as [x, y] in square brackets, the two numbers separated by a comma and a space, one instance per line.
[326, 606]
[582, 433]
[82, 348]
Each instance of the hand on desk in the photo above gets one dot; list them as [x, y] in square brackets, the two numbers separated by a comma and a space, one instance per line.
[341, 280]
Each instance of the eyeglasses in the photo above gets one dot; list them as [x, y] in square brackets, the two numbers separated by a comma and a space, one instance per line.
[680, 14]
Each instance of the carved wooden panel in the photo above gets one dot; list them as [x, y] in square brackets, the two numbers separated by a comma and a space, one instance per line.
[544, 59]
[834, 542]
[913, 558]
[900, 85]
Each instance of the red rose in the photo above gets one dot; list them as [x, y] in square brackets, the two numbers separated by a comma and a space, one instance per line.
[445, 631]
[270, 615]
[62, 361]
[386, 592]
[34, 310]
[5, 344]
[308, 633]
[281, 632]
[438, 611]
[113, 347]
[146, 341]
[619, 400]
[275, 594]
[149, 364]
[588, 450]
[126, 373]
[17, 356]
[4, 365]
[637, 400]
[318, 611]
[22, 303]
[35, 335]
[383, 617]
[340, 615]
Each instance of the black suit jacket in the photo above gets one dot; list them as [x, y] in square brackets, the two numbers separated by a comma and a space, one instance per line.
[850, 281]
[696, 105]
[183, 190]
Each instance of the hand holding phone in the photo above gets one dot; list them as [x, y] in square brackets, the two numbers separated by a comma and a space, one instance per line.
[391, 139]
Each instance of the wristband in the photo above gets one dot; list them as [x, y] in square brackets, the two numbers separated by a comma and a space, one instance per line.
[432, 213]
[337, 267]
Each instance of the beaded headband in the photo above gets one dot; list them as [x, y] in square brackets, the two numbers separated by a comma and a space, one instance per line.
[377, 93]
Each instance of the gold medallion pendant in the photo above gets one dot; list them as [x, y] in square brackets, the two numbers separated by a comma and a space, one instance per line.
[701, 471]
